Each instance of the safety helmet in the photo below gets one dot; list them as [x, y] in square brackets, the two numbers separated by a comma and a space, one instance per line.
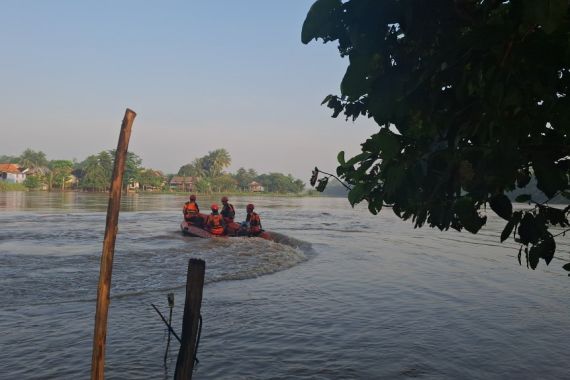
[192, 197]
[224, 199]
[250, 207]
[214, 207]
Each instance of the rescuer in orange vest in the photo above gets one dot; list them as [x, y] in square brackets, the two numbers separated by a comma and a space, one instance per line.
[215, 222]
[191, 211]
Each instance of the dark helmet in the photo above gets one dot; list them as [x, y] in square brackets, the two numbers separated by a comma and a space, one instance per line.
[224, 199]
[192, 197]
[250, 207]
[214, 207]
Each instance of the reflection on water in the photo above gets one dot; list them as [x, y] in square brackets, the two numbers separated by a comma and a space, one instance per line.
[342, 294]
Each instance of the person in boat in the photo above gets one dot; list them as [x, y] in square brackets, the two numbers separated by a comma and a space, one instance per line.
[228, 212]
[252, 224]
[215, 222]
[191, 211]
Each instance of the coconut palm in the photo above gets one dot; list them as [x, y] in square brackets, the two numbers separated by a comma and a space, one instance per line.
[194, 169]
[32, 159]
[218, 160]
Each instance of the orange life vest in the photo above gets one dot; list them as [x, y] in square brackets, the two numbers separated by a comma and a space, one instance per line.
[215, 222]
[191, 208]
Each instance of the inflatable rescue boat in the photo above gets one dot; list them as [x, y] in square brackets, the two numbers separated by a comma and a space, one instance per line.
[232, 230]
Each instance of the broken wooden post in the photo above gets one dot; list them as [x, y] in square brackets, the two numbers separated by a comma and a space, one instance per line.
[170, 298]
[194, 286]
[104, 288]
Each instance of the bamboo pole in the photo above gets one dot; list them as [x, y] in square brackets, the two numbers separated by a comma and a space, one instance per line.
[192, 304]
[104, 288]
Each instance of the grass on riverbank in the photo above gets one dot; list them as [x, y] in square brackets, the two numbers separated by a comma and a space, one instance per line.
[7, 186]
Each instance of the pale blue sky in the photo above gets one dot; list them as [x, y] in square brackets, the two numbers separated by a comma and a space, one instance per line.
[201, 75]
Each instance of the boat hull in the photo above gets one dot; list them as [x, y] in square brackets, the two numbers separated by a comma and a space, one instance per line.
[190, 229]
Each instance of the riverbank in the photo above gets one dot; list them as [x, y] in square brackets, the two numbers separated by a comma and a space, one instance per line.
[5, 187]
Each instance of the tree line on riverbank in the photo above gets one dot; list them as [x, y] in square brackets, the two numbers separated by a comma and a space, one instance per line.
[204, 174]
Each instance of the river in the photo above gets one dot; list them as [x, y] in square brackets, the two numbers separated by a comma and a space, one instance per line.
[343, 295]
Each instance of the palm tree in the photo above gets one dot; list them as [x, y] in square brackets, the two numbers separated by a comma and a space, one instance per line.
[194, 169]
[218, 160]
[32, 160]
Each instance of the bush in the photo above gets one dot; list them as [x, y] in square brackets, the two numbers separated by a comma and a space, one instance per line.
[7, 186]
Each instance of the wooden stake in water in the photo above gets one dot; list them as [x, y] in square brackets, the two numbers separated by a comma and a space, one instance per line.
[192, 305]
[170, 298]
[104, 288]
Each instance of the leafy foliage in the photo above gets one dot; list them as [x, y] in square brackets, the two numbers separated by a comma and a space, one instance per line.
[225, 182]
[245, 177]
[7, 159]
[471, 99]
[210, 165]
[95, 171]
[132, 168]
[60, 172]
[33, 182]
[209, 171]
[280, 183]
[33, 159]
[150, 179]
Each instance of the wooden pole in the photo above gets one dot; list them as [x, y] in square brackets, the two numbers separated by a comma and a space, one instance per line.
[104, 288]
[194, 286]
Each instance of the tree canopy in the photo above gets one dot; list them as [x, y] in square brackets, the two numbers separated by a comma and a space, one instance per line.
[210, 165]
[471, 100]
[33, 159]
[94, 173]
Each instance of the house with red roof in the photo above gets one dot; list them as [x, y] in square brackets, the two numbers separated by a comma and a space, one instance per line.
[12, 173]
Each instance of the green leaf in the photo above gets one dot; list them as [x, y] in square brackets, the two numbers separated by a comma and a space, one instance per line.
[396, 210]
[354, 84]
[321, 186]
[523, 198]
[314, 176]
[466, 211]
[375, 205]
[385, 142]
[340, 158]
[507, 230]
[555, 216]
[529, 229]
[550, 178]
[502, 206]
[523, 178]
[327, 99]
[533, 258]
[545, 248]
[358, 158]
[319, 22]
[356, 194]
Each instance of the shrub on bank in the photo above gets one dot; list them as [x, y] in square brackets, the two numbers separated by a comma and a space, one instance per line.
[7, 186]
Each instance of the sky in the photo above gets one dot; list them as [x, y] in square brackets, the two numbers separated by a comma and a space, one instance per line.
[200, 75]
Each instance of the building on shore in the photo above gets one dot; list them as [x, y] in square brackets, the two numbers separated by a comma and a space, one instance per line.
[256, 187]
[12, 173]
[180, 183]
